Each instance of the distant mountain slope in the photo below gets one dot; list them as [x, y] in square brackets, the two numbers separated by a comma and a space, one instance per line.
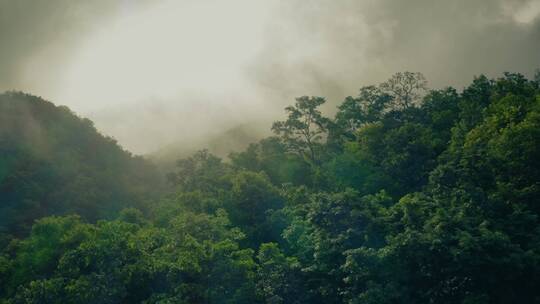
[221, 144]
[54, 162]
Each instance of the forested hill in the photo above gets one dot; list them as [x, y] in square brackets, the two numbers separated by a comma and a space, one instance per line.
[406, 195]
[53, 162]
[220, 144]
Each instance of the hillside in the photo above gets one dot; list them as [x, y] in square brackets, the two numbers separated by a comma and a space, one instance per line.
[406, 195]
[53, 162]
[220, 144]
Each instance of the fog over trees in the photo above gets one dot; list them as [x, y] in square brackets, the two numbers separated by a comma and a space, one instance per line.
[406, 195]
[277, 152]
[170, 73]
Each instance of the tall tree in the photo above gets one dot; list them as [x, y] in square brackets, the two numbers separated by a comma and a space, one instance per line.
[367, 107]
[406, 88]
[304, 129]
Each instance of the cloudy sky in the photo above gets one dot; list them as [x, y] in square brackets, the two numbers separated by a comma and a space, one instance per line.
[150, 73]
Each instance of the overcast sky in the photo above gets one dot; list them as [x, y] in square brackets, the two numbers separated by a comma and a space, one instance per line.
[150, 73]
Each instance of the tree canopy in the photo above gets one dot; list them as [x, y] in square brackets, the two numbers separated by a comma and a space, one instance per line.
[406, 195]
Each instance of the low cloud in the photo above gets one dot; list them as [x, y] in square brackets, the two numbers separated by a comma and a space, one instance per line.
[152, 73]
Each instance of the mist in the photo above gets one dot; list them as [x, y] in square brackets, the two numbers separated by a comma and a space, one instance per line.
[155, 74]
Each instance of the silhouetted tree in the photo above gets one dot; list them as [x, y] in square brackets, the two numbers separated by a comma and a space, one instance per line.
[304, 129]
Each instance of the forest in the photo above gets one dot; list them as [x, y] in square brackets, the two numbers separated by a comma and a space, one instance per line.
[406, 195]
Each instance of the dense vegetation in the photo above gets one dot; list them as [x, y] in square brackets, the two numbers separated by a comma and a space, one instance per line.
[53, 162]
[407, 195]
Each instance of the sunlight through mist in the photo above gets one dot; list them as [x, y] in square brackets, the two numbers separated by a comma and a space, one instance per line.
[164, 52]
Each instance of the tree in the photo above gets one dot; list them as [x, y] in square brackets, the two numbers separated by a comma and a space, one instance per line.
[253, 199]
[271, 156]
[430, 203]
[201, 171]
[304, 128]
[279, 279]
[367, 107]
[53, 162]
[406, 88]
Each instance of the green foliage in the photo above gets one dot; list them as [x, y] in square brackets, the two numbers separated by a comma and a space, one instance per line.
[279, 278]
[271, 156]
[302, 132]
[202, 171]
[253, 200]
[54, 163]
[355, 112]
[406, 196]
